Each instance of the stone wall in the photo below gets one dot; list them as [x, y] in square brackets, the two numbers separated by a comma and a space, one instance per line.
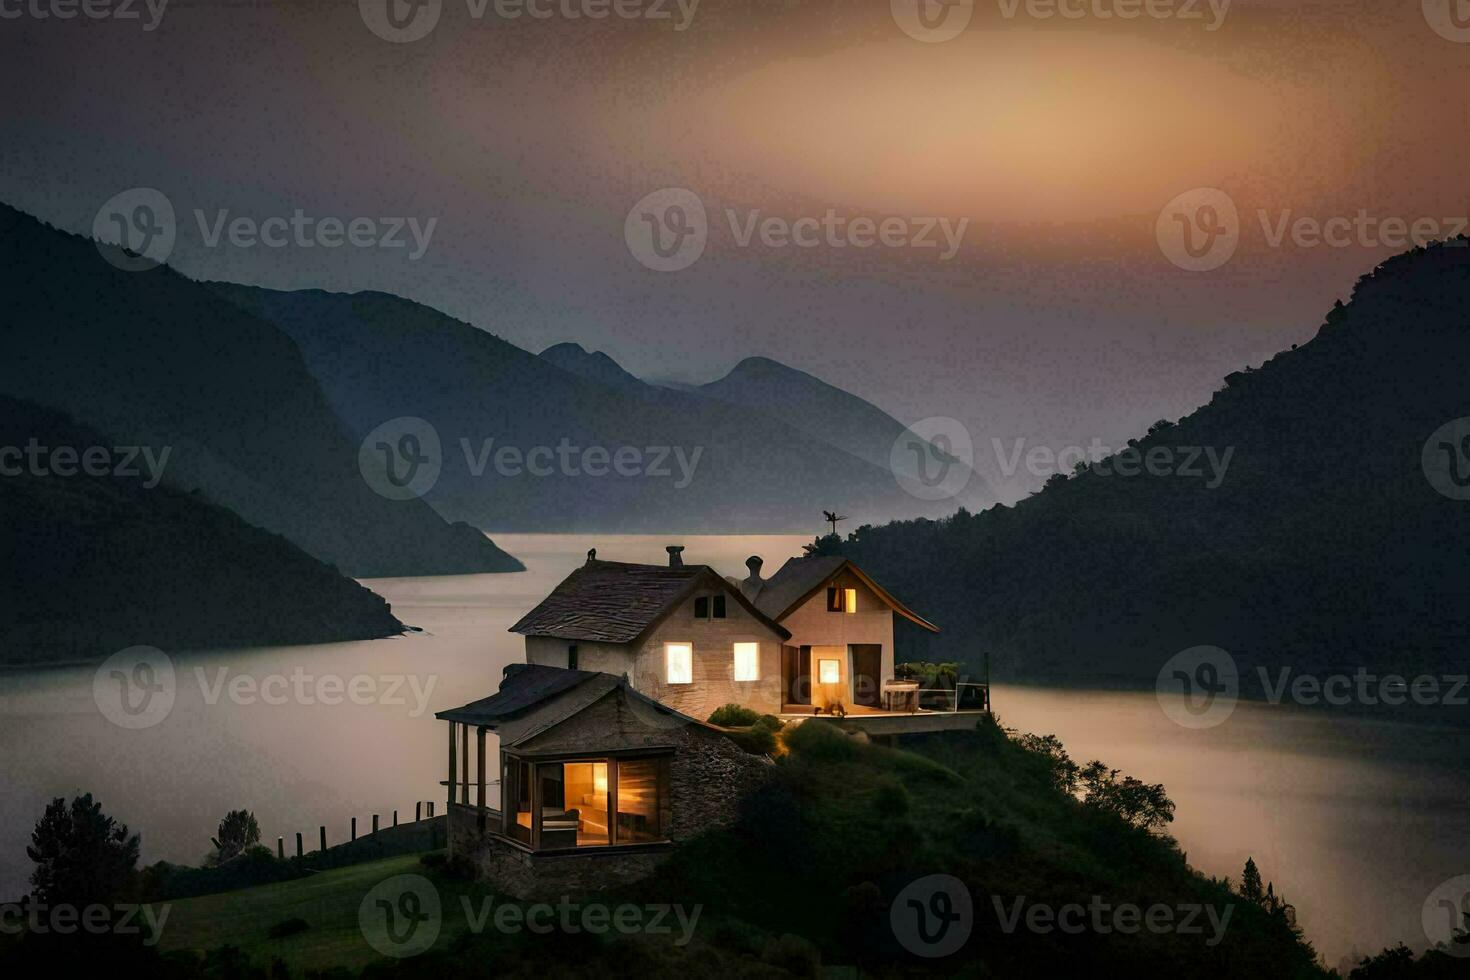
[708, 777]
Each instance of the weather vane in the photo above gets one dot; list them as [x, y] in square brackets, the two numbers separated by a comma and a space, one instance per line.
[832, 518]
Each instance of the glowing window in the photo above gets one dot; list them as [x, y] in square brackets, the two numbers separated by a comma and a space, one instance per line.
[747, 661]
[849, 600]
[829, 671]
[679, 661]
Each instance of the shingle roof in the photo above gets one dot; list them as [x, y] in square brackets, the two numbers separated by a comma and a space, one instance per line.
[533, 699]
[617, 602]
[800, 577]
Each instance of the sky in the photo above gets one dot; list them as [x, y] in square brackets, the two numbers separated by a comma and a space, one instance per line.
[1063, 147]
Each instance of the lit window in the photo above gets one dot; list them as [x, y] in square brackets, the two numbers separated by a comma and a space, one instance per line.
[849, 600]
[829, 671]
[679, 658]
[747, 661]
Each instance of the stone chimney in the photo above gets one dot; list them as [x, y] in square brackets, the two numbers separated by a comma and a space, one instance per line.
[753, 582]
[591, 555]
[676, 557]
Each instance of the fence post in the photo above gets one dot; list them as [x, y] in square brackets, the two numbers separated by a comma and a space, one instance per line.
[354, 828]
[298, 843]
[395, 818]
[281, 848]
[418, 812]
[431, 809]
[322, 829]
[375, 823]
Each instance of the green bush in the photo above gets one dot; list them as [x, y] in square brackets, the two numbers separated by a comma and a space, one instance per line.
[769, 722]
[733, 716]
[820, 740]
[756, 740]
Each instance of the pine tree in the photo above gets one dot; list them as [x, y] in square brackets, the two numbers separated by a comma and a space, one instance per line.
[1250, 882]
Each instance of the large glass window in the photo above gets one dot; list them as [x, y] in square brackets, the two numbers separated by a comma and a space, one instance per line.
[679, 662]
[586, 803]
[640, 790]
[747, 661]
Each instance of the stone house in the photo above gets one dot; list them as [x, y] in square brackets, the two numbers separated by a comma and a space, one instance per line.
[598, 782]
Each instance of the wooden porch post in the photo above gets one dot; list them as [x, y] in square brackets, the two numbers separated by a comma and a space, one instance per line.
[480, 747]
[464, 763]
[453, 769]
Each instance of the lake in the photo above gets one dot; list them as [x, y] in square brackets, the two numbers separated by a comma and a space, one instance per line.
[1355, 819]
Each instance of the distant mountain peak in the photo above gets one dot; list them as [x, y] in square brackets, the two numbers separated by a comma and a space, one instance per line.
[592, 365]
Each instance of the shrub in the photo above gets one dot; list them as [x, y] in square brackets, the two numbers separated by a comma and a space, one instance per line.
[819, 740]
[891, 800]
[287, 927]
[756, 740]
[733, 716]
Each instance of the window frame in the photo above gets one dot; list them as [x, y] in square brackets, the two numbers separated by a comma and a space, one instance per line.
[821, 675]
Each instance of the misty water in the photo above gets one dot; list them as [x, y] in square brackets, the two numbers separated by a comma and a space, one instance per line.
[1356, 820]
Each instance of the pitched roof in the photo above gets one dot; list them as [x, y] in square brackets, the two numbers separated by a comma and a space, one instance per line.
[533, 699]
[800, 578]
[617, 602]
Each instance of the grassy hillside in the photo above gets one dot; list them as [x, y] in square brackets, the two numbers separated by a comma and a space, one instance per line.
[805, 880]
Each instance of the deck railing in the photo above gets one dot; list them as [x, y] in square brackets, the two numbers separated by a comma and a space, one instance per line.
[951, 698]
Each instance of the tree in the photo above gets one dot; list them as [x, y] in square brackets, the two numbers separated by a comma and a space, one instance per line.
[1250, 882]
[83, 857]
[1141, 804]
[237, 831]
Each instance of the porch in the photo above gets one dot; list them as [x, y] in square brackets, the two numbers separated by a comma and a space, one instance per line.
[906, 709]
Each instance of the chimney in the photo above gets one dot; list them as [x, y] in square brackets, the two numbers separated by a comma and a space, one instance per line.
[753, 582]
[591, 555]
[676, 559]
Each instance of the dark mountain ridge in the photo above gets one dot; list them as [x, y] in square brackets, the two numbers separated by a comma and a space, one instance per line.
[154, 359]
[95, 563]
[1324, 549]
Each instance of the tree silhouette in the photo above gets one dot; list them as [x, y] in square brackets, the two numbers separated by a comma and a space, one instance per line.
[237, 831]
[1250, 882]
[82, 856]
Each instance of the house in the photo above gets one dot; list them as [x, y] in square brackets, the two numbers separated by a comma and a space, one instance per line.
[815, 638]
[598, 781]
[603, 756]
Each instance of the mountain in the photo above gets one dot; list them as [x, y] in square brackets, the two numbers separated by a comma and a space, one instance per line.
[598, 367]
[821, 410]
[98, 562]
[154, 359]
[1312, 517]
[530, 446]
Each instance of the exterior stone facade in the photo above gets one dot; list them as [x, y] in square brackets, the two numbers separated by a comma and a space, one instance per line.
[708, 775]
